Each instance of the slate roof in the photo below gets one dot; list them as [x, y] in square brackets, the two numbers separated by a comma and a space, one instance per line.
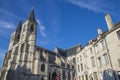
[62, 52]
[73, 50]
[46, 50]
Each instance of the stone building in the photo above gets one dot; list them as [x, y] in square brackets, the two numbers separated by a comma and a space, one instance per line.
[25, 60]
[98, 60]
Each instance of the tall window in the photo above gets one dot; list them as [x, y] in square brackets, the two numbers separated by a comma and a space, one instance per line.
[43, 67]
[31, 28]
[118, 34]
[78, 68]
[106, 59]
[81, 67]
[99, 62]
[22, 47]
[92, 61]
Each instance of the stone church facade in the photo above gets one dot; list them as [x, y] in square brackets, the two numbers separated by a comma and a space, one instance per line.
[99, 59]
[27, 61]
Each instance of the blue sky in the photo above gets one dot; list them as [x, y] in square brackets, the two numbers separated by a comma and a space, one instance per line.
[62, 23]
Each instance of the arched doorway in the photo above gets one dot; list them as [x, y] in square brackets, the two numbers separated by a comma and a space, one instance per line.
[54, 75]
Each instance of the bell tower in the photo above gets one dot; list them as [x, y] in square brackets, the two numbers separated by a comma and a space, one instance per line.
[29, 28]
[15, 37]
[28, 41]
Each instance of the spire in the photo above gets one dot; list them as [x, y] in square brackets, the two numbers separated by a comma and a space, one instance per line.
[19, 27]
[31, 16]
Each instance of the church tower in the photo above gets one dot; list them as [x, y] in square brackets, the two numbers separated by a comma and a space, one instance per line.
[15, 37]
[19, 57]
[28, 41]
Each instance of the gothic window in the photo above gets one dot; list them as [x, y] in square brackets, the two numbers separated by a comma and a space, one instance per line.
[31, 28]
[22, 47]
[54, 75]
[17, 37]
[43, 67]
[27, 48]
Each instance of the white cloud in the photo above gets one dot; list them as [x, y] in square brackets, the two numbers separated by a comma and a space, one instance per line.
[42, 29]
[93, 5]
[6, 25]
[10, 14]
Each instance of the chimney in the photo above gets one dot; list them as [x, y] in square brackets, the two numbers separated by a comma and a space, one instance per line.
[99, 31]
[109, 21]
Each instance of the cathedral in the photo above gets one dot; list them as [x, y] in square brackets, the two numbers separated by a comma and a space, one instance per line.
[27, 61]
[99, 59]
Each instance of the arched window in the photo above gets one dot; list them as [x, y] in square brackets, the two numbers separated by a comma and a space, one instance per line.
[43, 67]
[31, 28]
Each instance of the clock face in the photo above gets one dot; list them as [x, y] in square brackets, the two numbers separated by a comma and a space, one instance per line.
[31, 28]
